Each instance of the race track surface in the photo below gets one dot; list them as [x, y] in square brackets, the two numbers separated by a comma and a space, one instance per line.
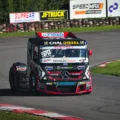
[102, 104]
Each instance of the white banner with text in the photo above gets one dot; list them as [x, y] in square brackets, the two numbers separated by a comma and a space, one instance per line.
[87, 9]
[24, 17]
[113, 8]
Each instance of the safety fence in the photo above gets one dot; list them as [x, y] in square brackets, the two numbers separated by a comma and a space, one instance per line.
[49, 25]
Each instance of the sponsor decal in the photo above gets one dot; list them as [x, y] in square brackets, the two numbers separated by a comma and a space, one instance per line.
[54, 34]
[55, 43]
[72, 42]
[47, 60]
[49, 83]
[49, 67]
[53, 15]
[20, 68]
[113, 7]
[64, 67]
[65, 60]
[46, 53]
[46, 43]
[81, 67]
[57, 60]
[63, 47]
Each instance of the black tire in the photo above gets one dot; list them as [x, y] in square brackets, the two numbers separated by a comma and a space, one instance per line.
[12, 80]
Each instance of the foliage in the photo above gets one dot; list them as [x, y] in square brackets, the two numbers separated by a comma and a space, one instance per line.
[8, 6]
[112, 68]
[5, 115]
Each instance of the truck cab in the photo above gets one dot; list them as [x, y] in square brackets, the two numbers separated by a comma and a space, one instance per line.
[58, 63]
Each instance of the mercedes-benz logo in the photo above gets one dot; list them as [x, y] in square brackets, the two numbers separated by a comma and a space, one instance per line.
[65, 74]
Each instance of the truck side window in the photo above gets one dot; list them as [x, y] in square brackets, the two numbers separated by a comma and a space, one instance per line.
[35, 53]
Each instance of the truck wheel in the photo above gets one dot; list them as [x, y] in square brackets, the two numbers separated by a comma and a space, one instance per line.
[12, 81]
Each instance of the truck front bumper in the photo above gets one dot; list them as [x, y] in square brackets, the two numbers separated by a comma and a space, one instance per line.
[70, 87]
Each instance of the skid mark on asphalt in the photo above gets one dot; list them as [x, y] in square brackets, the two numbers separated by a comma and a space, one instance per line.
[109, 109]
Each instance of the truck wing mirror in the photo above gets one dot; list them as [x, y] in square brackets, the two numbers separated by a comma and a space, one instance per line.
[90, 52]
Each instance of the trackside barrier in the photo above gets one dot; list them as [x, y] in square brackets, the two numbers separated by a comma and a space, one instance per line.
[49, 25]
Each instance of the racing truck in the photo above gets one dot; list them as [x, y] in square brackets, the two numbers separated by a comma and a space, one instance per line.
[57, 63]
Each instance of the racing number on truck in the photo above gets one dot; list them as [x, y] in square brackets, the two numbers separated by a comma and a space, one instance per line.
[46, 53]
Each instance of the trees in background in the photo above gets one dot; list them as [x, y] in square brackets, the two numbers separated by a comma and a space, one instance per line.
[8, 6]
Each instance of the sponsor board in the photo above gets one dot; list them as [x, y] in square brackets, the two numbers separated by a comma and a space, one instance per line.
[53, 15]
[87, 9]
[24, 17]
[113, 8]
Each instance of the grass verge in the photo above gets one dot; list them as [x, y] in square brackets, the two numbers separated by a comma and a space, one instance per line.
[5, 115]
[83, 29]
[112, 68]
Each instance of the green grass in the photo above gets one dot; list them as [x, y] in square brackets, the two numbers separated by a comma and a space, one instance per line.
[83, 29]
[112, 68]
[5, 115]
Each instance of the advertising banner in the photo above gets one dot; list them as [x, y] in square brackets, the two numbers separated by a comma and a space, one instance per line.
[53, 15]
[113, 8]
[24, 17]
[87, 9]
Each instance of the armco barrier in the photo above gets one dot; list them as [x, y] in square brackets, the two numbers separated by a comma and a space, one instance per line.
[22, 27]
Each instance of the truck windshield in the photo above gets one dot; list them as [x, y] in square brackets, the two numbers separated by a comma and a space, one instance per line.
[59, 53]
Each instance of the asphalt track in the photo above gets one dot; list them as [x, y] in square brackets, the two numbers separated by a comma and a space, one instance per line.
[102, 104]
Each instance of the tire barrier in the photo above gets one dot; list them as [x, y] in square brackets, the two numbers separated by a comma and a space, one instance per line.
[49, 25]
